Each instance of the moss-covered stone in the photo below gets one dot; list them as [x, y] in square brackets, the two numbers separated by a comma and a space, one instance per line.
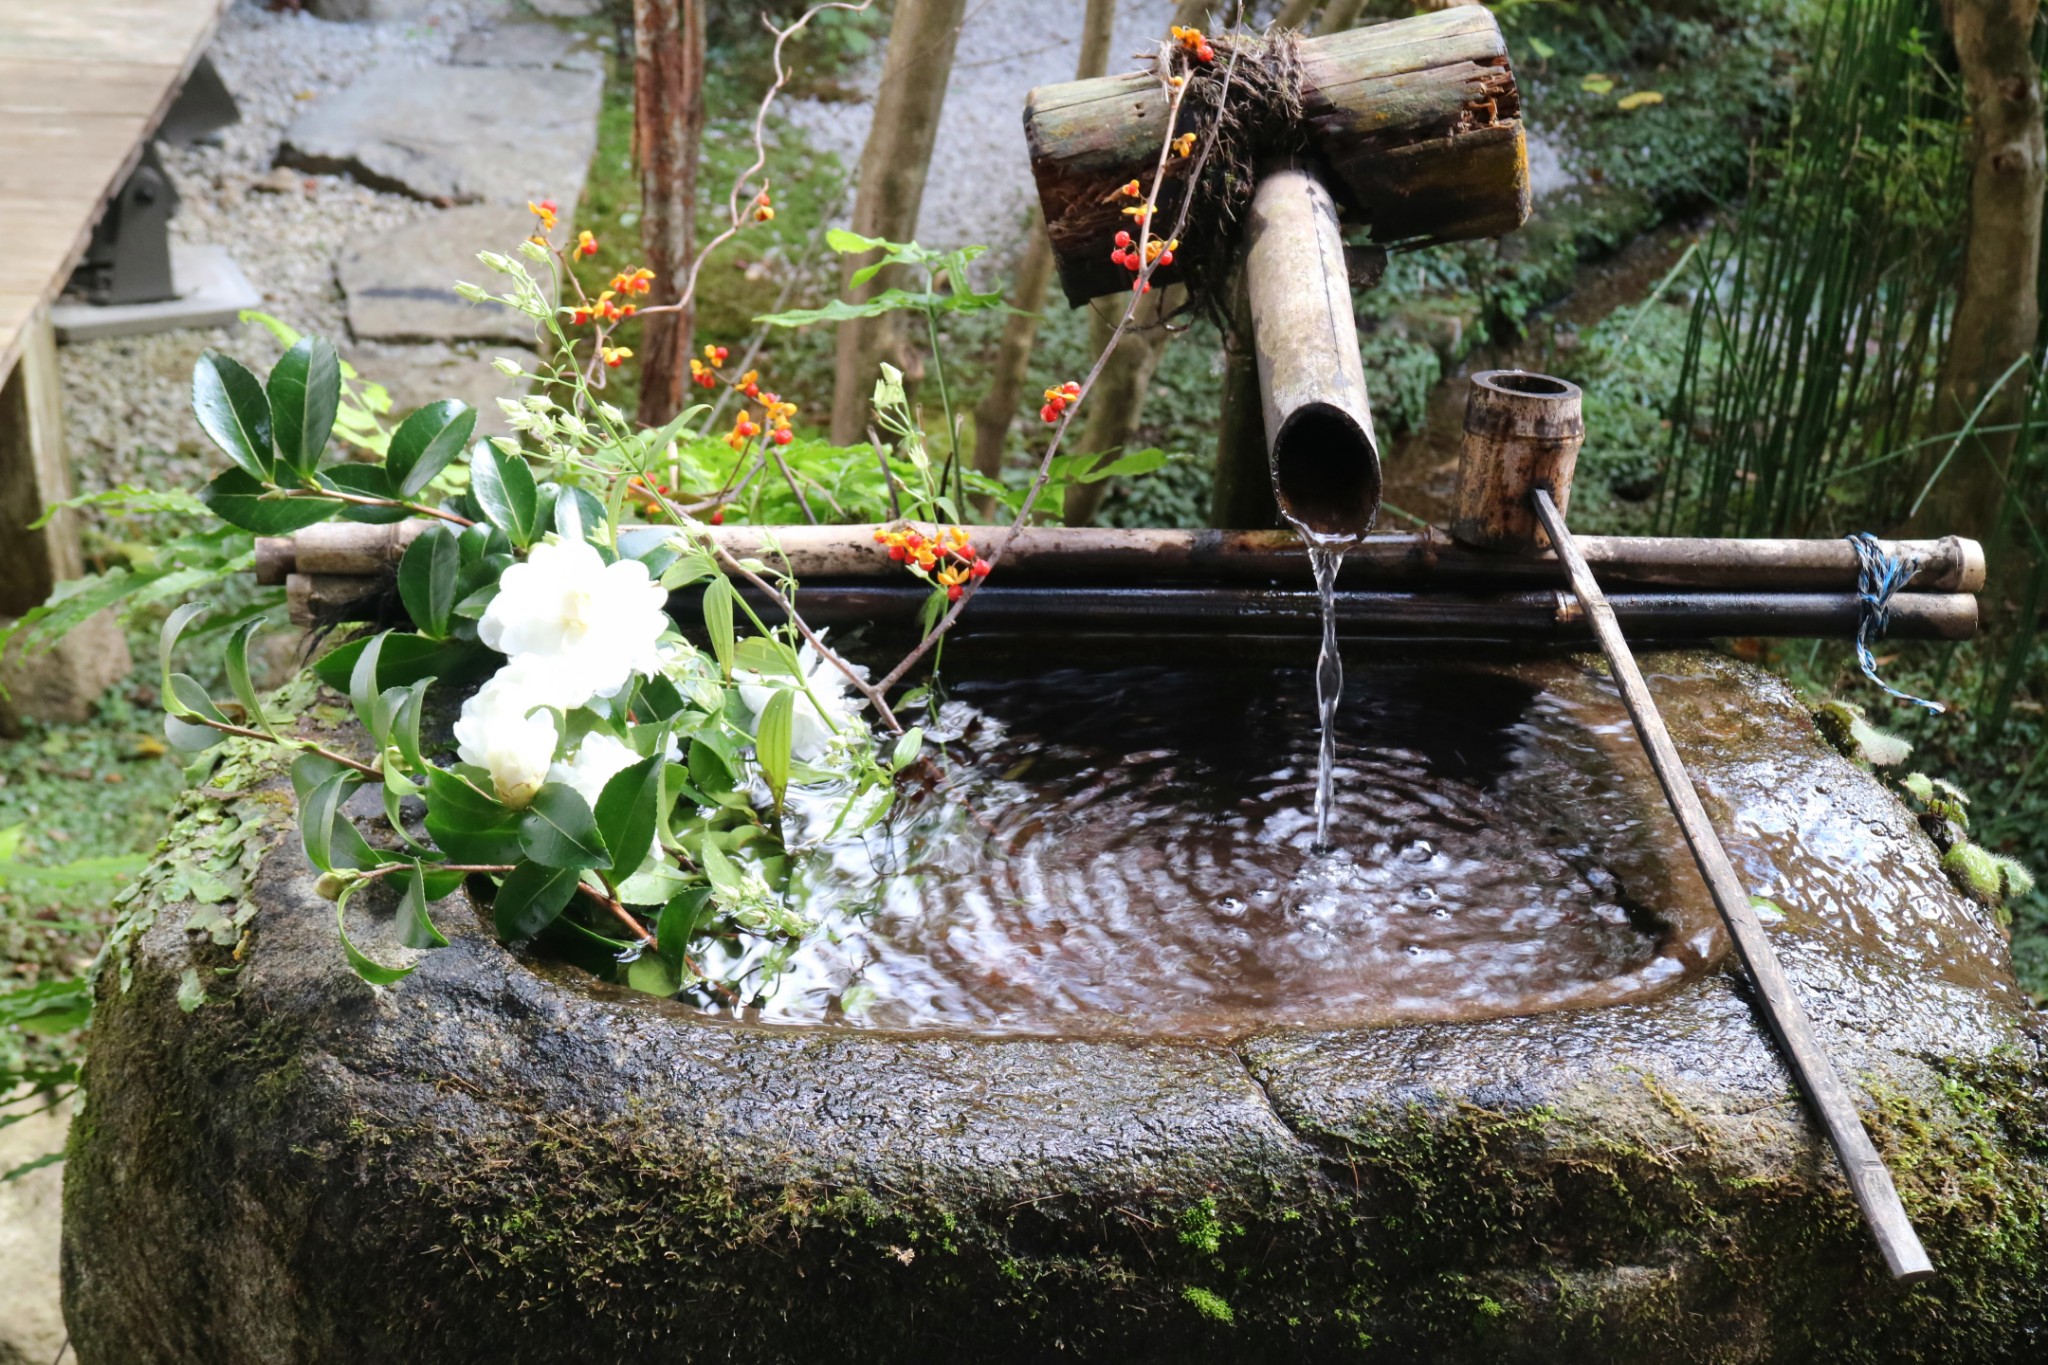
[488, 1162]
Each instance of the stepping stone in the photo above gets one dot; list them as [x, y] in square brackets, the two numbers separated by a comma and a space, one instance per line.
[418, 375]
[400, 286]
[529, 45]
[456, 134]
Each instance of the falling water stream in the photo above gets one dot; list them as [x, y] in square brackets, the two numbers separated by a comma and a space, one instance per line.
[1325, 560]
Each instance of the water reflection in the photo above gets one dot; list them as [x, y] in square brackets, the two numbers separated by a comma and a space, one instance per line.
[1131, 850]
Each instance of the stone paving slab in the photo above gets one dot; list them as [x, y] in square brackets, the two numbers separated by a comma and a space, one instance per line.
[456, 135]
[400, 285]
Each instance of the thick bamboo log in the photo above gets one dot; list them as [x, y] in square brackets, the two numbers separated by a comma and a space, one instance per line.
[1868, 1179]
[1324, 462]
[1116, 555]
[1417, 123]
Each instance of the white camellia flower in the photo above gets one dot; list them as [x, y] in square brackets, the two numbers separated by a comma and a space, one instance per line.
[597, 760]
[505, 730]
[811, 731]
[593, 624]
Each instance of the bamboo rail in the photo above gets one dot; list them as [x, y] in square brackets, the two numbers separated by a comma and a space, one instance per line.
[1424, 561]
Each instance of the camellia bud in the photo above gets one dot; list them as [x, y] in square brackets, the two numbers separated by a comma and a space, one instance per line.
[330, 886]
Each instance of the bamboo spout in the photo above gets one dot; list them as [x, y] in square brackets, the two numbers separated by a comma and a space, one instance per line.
[1324, 459]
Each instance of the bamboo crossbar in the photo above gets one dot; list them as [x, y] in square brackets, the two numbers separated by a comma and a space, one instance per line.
[1951, 564]
[1868, 1179]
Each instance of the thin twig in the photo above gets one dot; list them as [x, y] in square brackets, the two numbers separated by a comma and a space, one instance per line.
[1175, 94]
[194, 718]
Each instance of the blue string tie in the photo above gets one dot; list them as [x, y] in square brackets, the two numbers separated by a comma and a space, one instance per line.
[1881, 571]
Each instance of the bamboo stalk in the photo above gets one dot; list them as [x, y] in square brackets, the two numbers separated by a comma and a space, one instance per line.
[1868, 1179]
[1057, 554]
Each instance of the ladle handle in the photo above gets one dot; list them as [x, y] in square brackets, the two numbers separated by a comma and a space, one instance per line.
[1871, 1183]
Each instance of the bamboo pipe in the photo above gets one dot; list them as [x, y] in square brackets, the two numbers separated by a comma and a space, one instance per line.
[1111, 555]
[1868, 1179]
[1319, 440]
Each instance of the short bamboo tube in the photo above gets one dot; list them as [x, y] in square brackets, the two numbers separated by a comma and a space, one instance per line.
[1522, 432]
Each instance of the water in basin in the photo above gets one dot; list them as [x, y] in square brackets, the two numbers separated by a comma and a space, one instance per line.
[1130, 848]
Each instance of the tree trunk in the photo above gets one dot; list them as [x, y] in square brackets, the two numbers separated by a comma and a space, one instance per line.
[668, 127]
[1295, 14]
[1341, 15]
[1997, 308]
[992, 417]
[893, 167]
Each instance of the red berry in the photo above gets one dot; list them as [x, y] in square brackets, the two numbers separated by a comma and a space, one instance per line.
[1049, 413]
[979, 568]
[1123, 239]
[1166, 258]
[718, 516]
[898, 553]
[1117, 258]
[784, 436]
[953, 593]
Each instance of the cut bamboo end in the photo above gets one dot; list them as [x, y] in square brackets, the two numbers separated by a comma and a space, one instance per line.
[1522, 432]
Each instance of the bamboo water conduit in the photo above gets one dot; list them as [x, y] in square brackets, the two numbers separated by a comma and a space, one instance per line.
[1868, 1179]
[1258, 582]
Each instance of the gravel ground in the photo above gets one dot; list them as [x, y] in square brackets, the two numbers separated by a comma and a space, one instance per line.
[980, 187]
[127, 399]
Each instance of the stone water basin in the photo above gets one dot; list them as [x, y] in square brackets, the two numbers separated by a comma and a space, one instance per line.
[1053, 1137]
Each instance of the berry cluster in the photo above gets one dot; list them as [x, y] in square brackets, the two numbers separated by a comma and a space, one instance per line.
[586, 245]
[1157, 252]
[947, 558]
[636, 281]
[602, 307]
[706, 376]
[614, 356]
[1058, 400]
[1194, 43]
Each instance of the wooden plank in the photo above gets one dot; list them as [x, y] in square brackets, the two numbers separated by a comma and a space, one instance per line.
[83, 86]
[123, 89]
[1868, 1179]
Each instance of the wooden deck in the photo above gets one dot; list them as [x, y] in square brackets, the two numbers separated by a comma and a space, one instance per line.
[83, 84]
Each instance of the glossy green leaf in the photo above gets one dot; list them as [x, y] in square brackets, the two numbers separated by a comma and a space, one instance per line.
[364, 694]
[772, 741]
[407, 658]
[470, 826]
[626, 812]
[371, 971]
[504, 488]
[530, 899]
[233, 412]
[363, 480]
[718, 604]
[189, 697]
[237, 662]
[427, 578]
[559, 830]
[304, 391]
[681, 919]
[415, 926]
[425, 443]
[167, 637]
[318, 814]
[238, 500]
[649, 975]
[909, 745]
